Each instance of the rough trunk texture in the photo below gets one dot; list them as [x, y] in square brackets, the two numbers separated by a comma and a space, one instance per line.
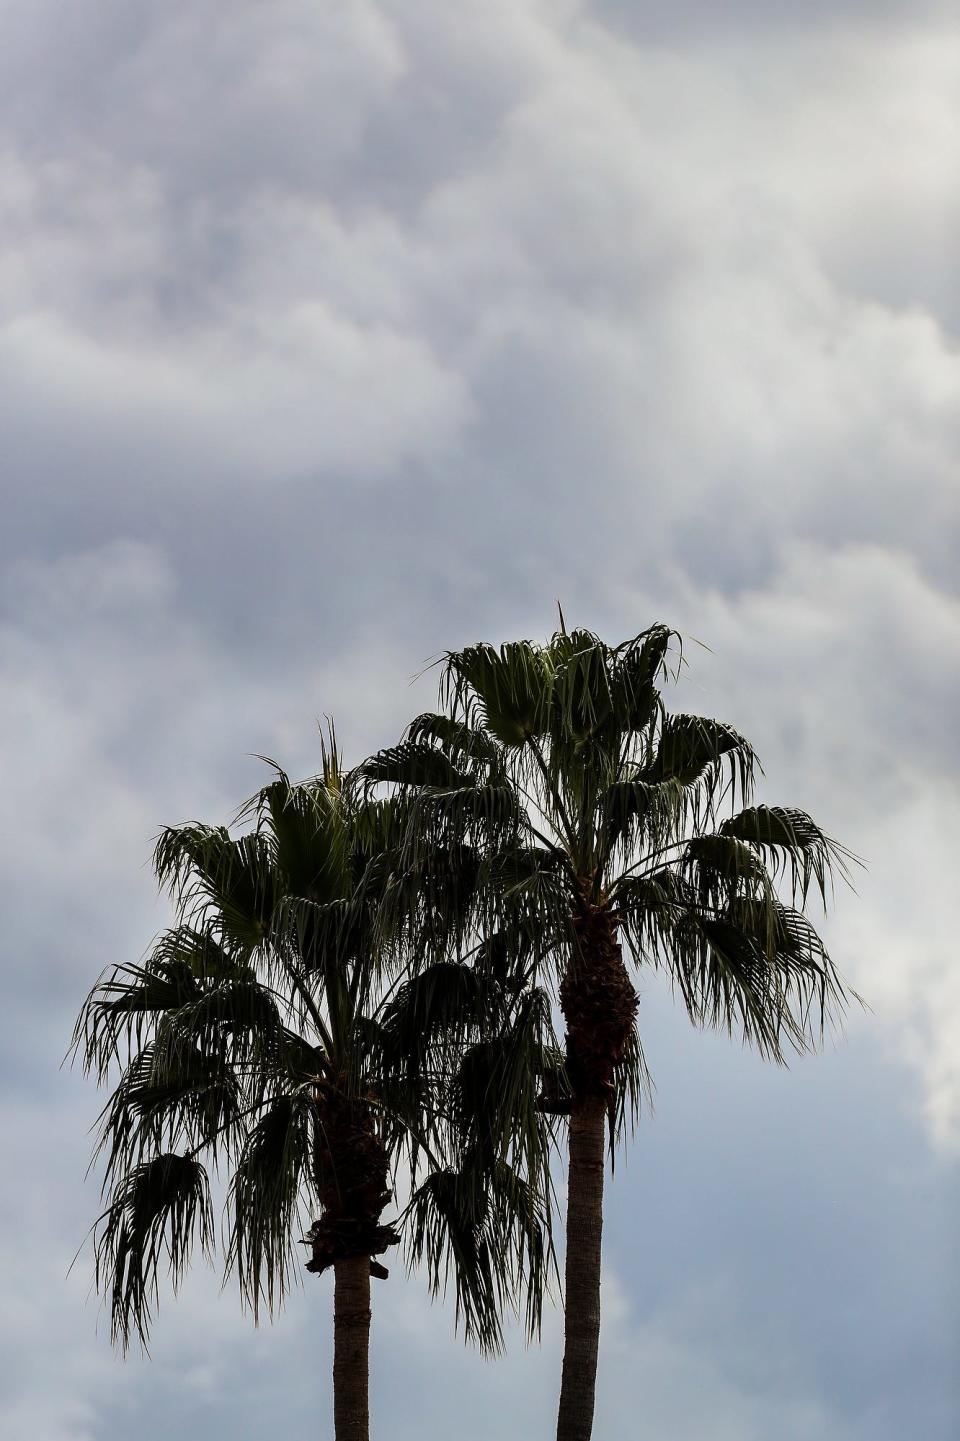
[582, 1284]
[599, 1004]
[351, 1171]
[351, 1349]
[598, 1001]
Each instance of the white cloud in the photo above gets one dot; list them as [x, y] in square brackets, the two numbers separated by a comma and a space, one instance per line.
[846, 675]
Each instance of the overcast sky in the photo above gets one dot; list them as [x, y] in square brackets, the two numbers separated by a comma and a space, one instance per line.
[334, 335]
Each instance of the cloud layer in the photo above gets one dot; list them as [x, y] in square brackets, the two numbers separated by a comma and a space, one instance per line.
[331, 337]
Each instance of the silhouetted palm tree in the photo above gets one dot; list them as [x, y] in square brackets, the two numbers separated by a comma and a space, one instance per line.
[606, 823]
[274, 1033]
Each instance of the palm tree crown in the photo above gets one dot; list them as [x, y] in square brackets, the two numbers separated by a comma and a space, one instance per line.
[605, 821]
[274, 1035]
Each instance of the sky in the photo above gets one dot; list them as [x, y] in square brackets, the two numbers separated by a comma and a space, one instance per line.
[334, 336]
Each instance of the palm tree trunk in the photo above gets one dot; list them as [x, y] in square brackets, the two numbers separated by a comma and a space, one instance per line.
[351, 1349]
[582, 1302]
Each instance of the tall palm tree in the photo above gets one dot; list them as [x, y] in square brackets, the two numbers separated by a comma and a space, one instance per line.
[274, 1031]
[612, 825]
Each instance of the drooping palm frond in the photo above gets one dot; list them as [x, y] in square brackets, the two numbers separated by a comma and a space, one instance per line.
[188, 975]
[155, 1215]
[494, 1092]
[792, 844]
[710, 759]
[437, 1007]
[214, 877]
[719, 866]
[269, 1193]
[740, 959]
[632, 811]
[468, 747]
[482, 1230]
[165, 1099]
[414, 762]
[632, 1091]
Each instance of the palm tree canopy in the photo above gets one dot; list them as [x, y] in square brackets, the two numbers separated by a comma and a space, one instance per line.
[559, 773]
[273, 1037]
[578, 818]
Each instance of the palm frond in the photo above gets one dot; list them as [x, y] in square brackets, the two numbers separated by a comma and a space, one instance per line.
[505, 691]
[494, 1093]
[792, 843]
[310, 838]
[127, 1001]
[632, 811]
[760, 970]
[695, 749]
[213, 876]
[444, 1002]
[640, 664]
[487, 1232]
[720, 866]
[632, 1090]
[156, 1214]
[167, 1098]
[581, 692]
[266, 1197]
[413, 763]
[468, 745]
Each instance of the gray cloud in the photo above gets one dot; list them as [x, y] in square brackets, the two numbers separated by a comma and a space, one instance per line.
[331, 340]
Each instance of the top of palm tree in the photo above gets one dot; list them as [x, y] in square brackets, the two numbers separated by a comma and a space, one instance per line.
[280, 992]
[558, 769]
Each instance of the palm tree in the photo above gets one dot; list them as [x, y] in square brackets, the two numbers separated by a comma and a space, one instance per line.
[610, 824]
[274, 1032]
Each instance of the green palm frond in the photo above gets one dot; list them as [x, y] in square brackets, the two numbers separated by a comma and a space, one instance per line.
[485, 1231]
[582, 698]
[309, 836]
[691, 749]
[267, 1205]
[631, 811]
[632, 1091]
[378, 828]
[640, 664]
[506, 691]
[792, 843]
[721, 865]
[495, 1089]
[505, 957]
[414, 763]
[214, 877]
[128, 1001]
[445, 1232]
[238, 1013]
[443, 1003]
[157, 1213]
[122, 1008]
[468, 746]
[167, 1098]
[760, 969]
